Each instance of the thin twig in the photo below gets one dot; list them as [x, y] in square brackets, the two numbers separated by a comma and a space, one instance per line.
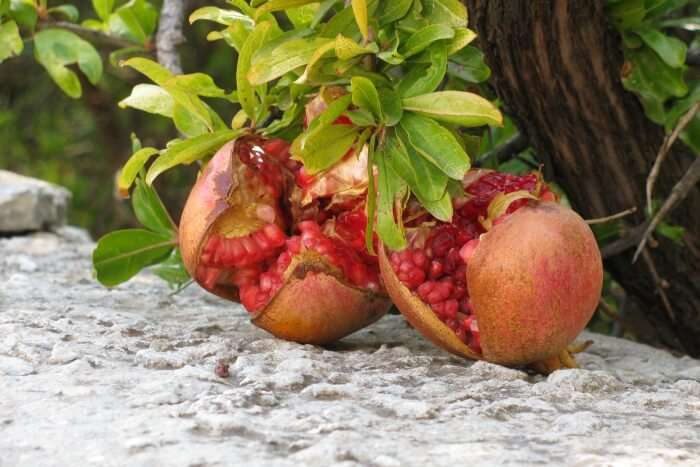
[169, 36]
[91, 35]
[659, 285]
[517, 143]
[608, 310]
[665, 149]
[678, 193]
[603, 220]
[630, 239]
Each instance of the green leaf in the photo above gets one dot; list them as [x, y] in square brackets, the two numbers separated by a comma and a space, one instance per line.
[334, 110]
[172, 270]
[451, 12]
[150, 98]
[152, 70]
[389, 186]
[344, 22]
[278, 5]
[394, 10]
[441, 209]
[463, 37]
[10, 40]
[425, 79]
[55, 49]
[24, 12]
[359, 9]
[671, 50]
[361, 117]
[392, 108]
[220, 16]
[131, 169]
[120, 255]
[436, 143]
[627, 14]
[346, 48]
[69, 12]
[422, 39]
[365, 96]
[469, 65]
[150, 211]
[246, 91]
[188, 151]
[460, 108]
[284, 58]
[136, 21]
[425, 179]
[103, 8]
[302, 16]
[186, 123]
[322, 149]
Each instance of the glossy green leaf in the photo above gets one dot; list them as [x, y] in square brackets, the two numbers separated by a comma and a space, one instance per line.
[322, 149]
[24, 12]
[346, 48]
[150, 210]
[436, 143]
[150, 98]
[103, 8]
[394, 10]
[460, 108]
[128, 173]
[671, 50]
[361, 117]
[302, 16]
[359, 9]
[344, 22]
[186, 123]
[152, 70]
[136, 21]
[424, 178]
[422, 39]
[389, 187]
[392, 108]
[10, 41]
[441, 209]
[463, 37]
[286, 57]
[278, 5]
[365, 96]
[246, 91]
[173, 270]
[469, 65]
[55, 49]
[451, 12]
[424, 79]
[220, 16]
[120, 255]
[188, 151]
[69, 12]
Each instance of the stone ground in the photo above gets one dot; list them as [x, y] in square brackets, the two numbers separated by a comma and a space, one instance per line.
[126, 378]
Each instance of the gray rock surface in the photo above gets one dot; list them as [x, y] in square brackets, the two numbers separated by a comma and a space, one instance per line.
[91, 377]
[28, 204]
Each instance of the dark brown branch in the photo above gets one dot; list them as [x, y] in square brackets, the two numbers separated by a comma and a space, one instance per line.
[169, 36]
[630, 239]
[678, 194]
[517, 143]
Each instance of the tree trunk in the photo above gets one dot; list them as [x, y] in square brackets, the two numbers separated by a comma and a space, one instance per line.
[556, 65]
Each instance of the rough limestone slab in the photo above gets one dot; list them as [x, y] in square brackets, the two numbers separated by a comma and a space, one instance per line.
[28, 204]
[90, 377]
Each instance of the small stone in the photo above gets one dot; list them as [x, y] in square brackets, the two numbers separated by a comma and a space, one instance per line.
[11, 366]
[28, 204]
[62, 353]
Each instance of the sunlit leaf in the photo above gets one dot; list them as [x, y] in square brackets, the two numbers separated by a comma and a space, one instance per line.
[150, 210]
[457, 107]
[10, 41]
[131, 169]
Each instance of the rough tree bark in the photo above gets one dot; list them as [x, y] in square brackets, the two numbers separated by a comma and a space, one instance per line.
[556, 65]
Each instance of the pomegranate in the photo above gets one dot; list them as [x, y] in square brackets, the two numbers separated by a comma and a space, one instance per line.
[288, 246]
[512, 279]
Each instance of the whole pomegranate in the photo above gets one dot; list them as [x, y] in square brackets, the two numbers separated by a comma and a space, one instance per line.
[513, 279]
[290, 247]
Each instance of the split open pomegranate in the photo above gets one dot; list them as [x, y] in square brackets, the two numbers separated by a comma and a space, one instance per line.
[513, 279]
[290, 247]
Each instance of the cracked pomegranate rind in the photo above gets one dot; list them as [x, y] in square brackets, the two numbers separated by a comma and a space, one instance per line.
[510, 280]
[301, 271]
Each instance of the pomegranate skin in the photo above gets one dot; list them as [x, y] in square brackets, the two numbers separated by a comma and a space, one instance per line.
[314, 306]
[534, 282]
